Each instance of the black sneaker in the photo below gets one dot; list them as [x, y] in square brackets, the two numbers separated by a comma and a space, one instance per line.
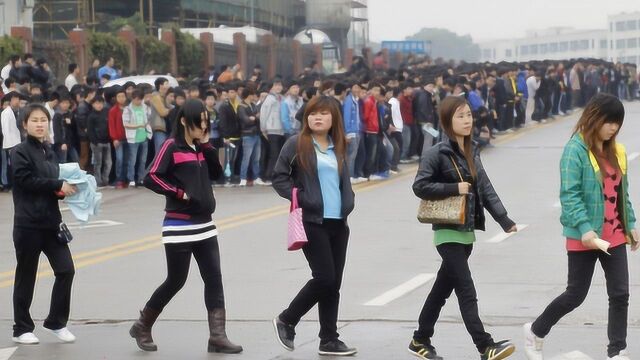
[498, 351]
[423, 351]
[285, 333]
[336, 348]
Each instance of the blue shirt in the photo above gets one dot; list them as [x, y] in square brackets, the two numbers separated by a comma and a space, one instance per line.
[329, 181]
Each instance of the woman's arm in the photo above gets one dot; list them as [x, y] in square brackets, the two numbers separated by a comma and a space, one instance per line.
[283, 171]
[213, 162]
[574, 210]
[425, 185]
[25, 176]
[158, 178]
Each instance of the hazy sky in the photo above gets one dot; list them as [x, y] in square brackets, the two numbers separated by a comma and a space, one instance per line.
[489, 19]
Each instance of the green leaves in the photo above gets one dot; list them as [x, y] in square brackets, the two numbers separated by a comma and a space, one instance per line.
[9, 46]
[189, 52]
[104, 45]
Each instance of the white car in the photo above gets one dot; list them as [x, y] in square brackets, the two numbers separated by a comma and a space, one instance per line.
[142, 79]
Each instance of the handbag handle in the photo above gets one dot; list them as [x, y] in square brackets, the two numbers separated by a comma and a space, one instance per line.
[294, 199]
[456, 166]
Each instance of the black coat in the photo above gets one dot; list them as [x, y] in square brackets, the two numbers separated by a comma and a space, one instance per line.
[229, 121]
[289, 174]
[80, 115]
[437, 179]
[98, 127]
[423, 109]
[249, 127]
[35, 174]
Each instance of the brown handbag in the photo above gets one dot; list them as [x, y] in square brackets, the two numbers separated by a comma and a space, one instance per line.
[449, 211]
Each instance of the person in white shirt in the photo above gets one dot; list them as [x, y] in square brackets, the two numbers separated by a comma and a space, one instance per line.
[533, 83]
[395, 130]
[51, 105]
[72, 78]
[10, 132]
[5, 73]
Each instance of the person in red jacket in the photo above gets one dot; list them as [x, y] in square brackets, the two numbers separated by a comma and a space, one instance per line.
[371, 128]
[118, 136]
[409, 130]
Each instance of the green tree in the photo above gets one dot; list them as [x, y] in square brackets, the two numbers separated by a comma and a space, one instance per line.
[153, 55]
[189, 52]
[134, 21]
[448, 45]
[9, 46]
[104, 45]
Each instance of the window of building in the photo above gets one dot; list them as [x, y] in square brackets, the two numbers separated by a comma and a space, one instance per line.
[524, 50]
[564, 46]
[611, 27]
[574, 45]
[620, 26]
[508, 53]
[544, 48]
[486, 53]
[584, 45]
[620, 44]
[534, 49]
[553, 47]
[632, 43]
[632, 25]
[603, 44]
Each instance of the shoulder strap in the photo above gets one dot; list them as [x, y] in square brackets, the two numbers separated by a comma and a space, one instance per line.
[456, 166]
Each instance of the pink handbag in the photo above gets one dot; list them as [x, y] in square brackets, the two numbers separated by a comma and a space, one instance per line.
[297, 237]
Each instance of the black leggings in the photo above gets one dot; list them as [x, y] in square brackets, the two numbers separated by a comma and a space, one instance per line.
[207, 255]
[454, 274]
[581, 268]
[326, 253]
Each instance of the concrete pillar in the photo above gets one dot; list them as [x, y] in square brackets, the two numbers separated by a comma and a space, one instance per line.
[240, 43]
[128, 36]
[206, 39]
[298, 65]
[25, 34]
[80, 40]
[347, 59]
[368, 55]
[269, 42]
[317, 50]
[170, 39]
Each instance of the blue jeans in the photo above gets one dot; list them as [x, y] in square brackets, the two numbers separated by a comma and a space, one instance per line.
[66, 156]
[6, 155]
[352, 153]
[121, 163]
[406, 142]
[159, 137]
[250, 156]
[137, 160]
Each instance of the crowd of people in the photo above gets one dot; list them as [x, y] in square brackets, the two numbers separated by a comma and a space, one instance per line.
[390, 116]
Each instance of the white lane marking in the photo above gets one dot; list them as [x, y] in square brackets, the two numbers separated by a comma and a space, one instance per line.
[64, 209]
[6, 353]
[504, 236]
[557, 204]
[93, 224]
[574, 355]
[401, 290]
[633, 156]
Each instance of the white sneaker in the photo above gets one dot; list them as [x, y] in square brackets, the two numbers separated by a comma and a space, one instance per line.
[132, 184]
[532, 344]
[354, 180]
[260, 182]
[376, 178]
[63, 335]
[623, 355]
[362, 179]
[26, 339]
[243, 183]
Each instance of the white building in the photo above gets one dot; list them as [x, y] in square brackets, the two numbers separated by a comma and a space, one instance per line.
[15, 13]
[620, 42]
[624, 38]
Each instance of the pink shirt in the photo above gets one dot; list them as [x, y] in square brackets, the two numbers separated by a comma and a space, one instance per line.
[612, 229]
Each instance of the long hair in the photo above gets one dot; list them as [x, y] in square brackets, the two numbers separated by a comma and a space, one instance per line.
[305, 141]
[448, 108]
[601, 109]
[192, 113]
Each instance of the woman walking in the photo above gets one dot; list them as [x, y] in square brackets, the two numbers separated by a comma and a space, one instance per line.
[595, 205]
[182, 171]
[314, 164]
[453, 168]
[36, 223]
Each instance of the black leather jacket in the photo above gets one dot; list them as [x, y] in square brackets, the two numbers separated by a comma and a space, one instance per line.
[288, 174]
[437, 178]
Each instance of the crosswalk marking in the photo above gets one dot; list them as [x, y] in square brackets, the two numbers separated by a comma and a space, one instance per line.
[574, 355]
[504, 236]
[401, 290]
[93, 224]
[6, 353]
[633, 156]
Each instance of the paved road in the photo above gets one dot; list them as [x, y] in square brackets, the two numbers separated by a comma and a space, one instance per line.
[390, 268]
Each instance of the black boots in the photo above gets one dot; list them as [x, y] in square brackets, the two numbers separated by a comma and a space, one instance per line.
[218, 341]
[141, 329]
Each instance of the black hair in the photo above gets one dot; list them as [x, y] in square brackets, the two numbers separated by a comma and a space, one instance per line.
[179, 92]
[210, 93]
[27, 56]
[72, 67]
[10, 81]
[233, 85]
[106, 76]
[339, 88]
[159, 81]
[191, 112]
[137, 94]
[96, 99]
[396, 91]
[248, 91]
[311, 92]
[14, 58]
[128, 84]
[29, 109]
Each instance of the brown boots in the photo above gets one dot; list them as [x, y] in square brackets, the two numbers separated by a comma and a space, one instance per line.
[218, 341]
[141, 329]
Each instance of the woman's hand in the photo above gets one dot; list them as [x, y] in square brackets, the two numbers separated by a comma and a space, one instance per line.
[636, 238]
[588, 240]
[63, 147]
[513, 229]
[463, 188]
[68, 189]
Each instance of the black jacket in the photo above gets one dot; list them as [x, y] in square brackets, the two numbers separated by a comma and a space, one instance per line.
[64, 133]
[249, 127]
[500, 92]
[229, 121]
[178, 169]
[437, 179]
[98, 127]
[80, 115]
[423, 109]
[289, 174]
[35, 174]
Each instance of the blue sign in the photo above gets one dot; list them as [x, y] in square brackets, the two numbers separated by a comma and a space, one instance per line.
[406, 47]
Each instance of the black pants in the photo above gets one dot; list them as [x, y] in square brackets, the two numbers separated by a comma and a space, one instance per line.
[396, 141]
[207, 255]
[29, 243]
[581, 267]
[454, 274]
[326, 253]
[275, 146]
[371, 143]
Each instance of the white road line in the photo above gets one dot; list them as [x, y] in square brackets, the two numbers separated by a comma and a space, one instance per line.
[574, 355]
[557, 204]
[401, 290]
[633, 156]
[504, 236]
[93, 224]
[64, 209]
[6, 353]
